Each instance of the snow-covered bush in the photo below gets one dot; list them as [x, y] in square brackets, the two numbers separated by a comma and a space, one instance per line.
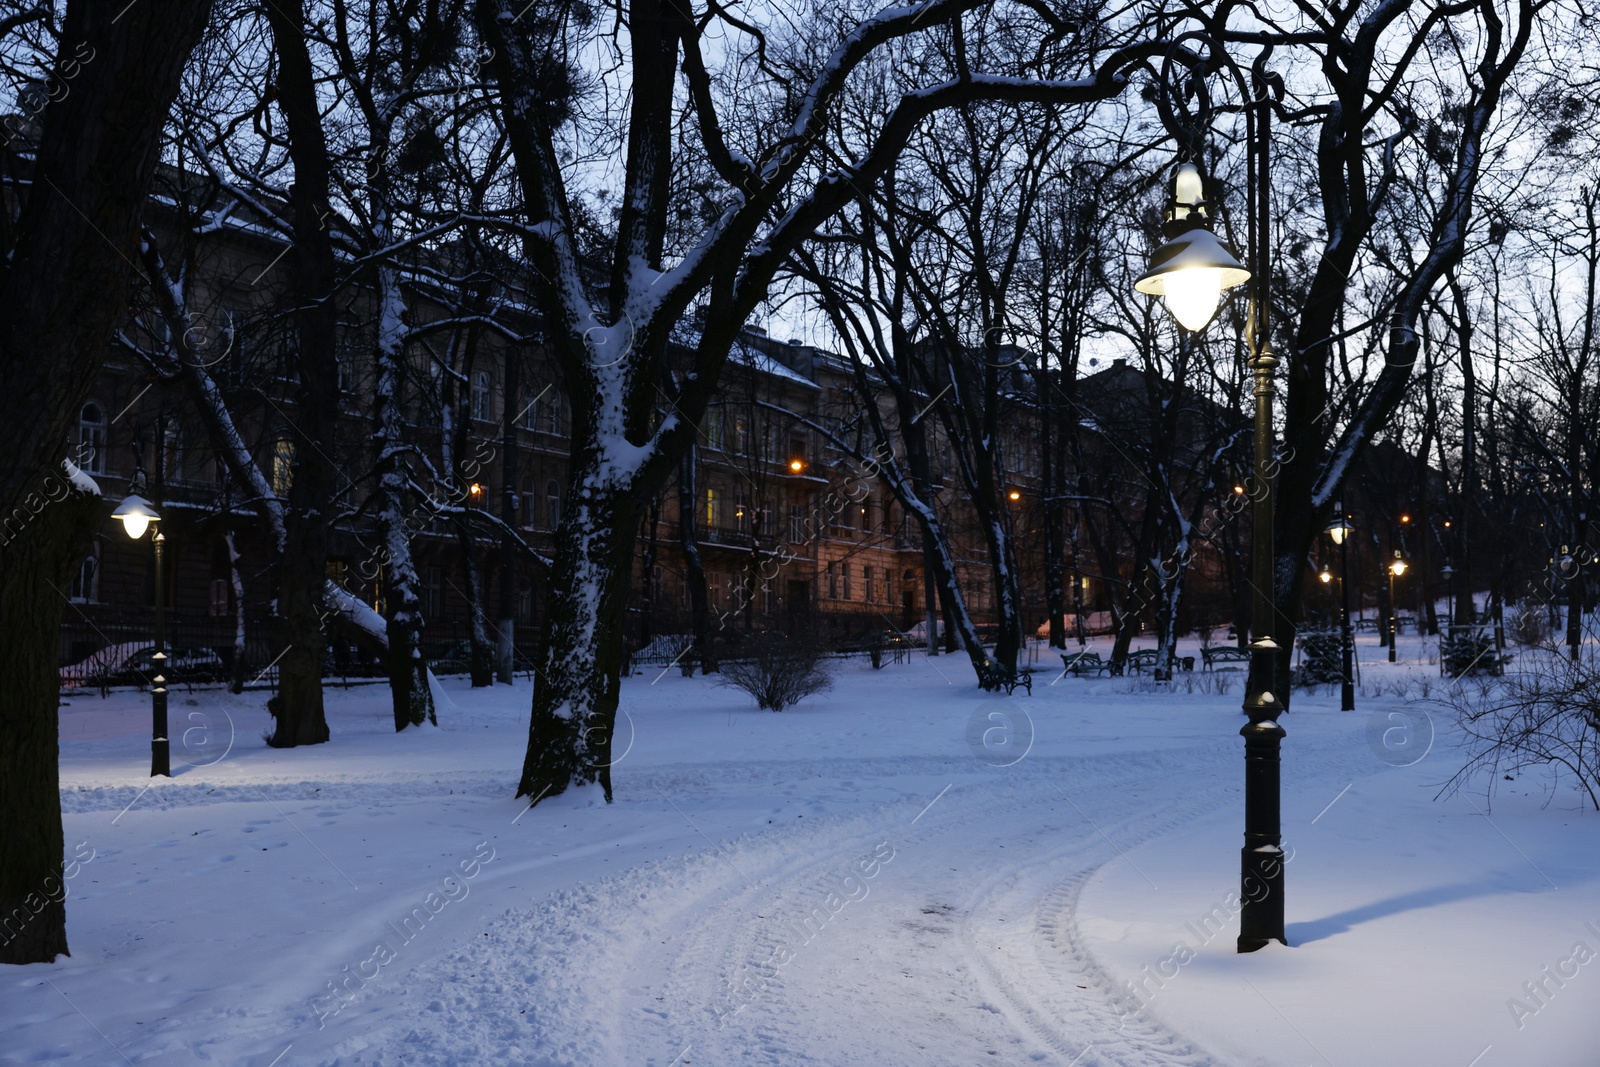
[1545, 715]
[778, 669]
[1530, 626]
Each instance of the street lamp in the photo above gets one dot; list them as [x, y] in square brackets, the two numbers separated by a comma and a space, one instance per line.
[1193, 267]
[138, 515]
[1191, 270]
[1396, 569]
[1340, 530]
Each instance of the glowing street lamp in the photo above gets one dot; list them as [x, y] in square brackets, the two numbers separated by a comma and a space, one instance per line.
[1396, 569]
[1191, 270]
[1340, 530]
[138, 515]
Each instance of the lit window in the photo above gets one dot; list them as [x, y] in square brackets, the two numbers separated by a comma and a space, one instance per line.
[282, 467]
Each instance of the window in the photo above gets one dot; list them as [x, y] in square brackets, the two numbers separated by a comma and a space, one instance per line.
[86, 583]
[844, 570]
[797, 523]
[282, 466]
[742, 519]
[552, 411]
[869, 592]
[233, 341]
[833, 583]
[483, 396]
[528, 498]
[713, 508]
[741, 436]
[219, 598]
[286, 354]
[171, 458]
[344, 355]
[552, 504]
[92, 439]
[714, 584]
[714, 429]
[528, 417]
[432, 593]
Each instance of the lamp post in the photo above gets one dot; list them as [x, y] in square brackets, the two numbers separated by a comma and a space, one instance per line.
[137, 515]
[1191, 270]
[1448, 572]
[1339, 530]
[1396, 569]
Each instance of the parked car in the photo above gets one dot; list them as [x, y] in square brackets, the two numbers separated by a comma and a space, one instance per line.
[132, 663]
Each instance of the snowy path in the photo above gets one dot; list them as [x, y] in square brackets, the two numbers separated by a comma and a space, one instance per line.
[888, 874]
[781, 949]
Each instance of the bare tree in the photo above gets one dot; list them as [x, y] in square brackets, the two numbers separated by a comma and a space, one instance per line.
[98, 112]
[775, 184]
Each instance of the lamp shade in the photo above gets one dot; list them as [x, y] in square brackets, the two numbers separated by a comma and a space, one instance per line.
[1399, 565]
[1339, 529]
[136, 514]
[1191, 271]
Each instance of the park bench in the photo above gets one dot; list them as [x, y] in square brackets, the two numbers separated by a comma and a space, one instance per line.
[1081, 663]
[994, 676]
[1224, 654]
[1142, 660]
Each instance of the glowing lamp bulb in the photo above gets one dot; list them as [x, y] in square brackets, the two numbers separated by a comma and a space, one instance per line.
[1192, 295]
[136, 515]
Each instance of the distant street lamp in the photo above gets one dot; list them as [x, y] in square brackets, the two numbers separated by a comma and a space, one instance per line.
[137, 515]
[1339, 530]
[1190, 271]
[1396, 569]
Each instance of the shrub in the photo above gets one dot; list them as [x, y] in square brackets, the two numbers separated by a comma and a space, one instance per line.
[1323, 663]
[1546, 715]
[779, 670]
[1530, 626]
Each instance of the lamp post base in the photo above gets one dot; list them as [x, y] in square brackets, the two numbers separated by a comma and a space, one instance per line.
[1261, 914]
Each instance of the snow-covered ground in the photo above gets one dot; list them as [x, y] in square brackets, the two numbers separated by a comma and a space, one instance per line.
[903, 871]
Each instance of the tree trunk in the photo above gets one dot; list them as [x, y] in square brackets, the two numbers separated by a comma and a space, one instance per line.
[410, 696]
[302, 572]
[694, 573]
[237, 678]
[39, 563]
[481, 655]
[505, 652]
[62, 285]
[575, 697]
